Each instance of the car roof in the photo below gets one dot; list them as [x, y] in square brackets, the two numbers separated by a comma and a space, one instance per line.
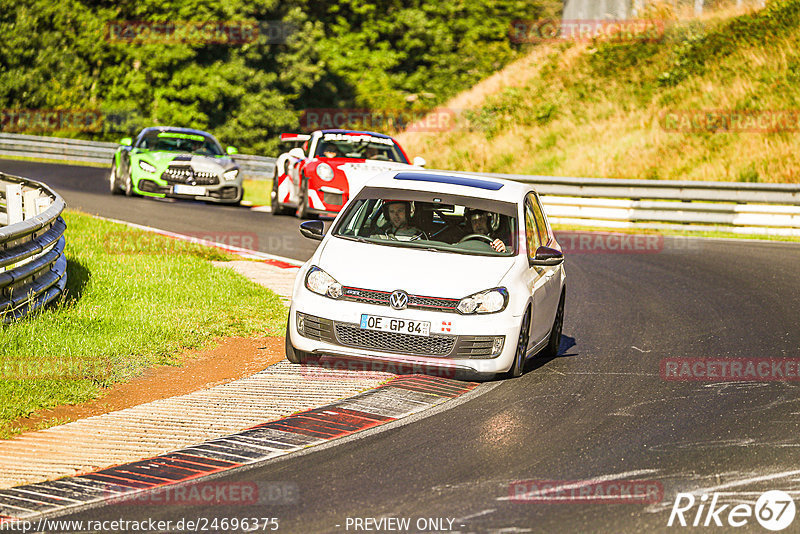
[175, 129]
[360, 132]
[465, 184]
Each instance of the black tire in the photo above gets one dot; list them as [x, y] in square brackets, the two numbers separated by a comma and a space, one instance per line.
[551, 350]
[275, 203]
[129, 186]
[292, 354]
[302, 203]
[518, 366]
[112, 181]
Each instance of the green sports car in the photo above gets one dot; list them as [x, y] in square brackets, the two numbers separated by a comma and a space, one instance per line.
[177, 163]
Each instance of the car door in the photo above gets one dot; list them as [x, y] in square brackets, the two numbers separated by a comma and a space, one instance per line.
[543, 280]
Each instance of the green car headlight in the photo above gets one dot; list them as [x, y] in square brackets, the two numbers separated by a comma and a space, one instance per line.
[147, 167]
[231, 174]
[489, 301]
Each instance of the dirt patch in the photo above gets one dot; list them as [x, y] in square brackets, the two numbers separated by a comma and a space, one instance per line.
[231, 359]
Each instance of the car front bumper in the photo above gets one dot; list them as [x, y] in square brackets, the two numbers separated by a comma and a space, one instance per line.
[224, 192]
[458, 345]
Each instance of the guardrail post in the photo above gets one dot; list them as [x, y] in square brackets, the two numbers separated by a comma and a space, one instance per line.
[13, 203]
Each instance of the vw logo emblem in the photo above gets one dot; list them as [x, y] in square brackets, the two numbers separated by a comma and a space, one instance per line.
[398, 300]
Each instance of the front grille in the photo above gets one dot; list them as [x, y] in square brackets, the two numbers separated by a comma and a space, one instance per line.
[433, 345]
[186, 175]
[475, 347]
[316, 327]
[334, 199]
[381, 298]
[225, 193]
[150, 186]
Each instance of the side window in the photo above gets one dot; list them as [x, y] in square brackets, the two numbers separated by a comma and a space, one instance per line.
[540, 222]
[531, 232]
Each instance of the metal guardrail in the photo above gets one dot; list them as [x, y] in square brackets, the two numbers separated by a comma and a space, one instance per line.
[62, 149]
[33, 268]
[748, 208]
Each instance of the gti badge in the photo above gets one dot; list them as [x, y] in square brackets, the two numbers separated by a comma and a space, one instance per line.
[398, 300]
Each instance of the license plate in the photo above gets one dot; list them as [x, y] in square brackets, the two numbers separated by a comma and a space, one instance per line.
[399, 326]
[195, 190]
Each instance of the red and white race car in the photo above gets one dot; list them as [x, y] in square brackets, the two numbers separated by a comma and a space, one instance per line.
[331, 167]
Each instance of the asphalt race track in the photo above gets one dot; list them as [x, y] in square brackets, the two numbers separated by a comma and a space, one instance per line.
[603, 410]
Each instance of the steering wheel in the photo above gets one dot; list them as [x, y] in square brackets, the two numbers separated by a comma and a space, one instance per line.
[485, 238]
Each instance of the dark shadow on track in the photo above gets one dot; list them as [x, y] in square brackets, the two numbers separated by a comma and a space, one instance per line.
[566, 344]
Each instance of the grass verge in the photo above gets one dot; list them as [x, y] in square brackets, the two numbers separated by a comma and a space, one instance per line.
[257, 192]
[134, 299]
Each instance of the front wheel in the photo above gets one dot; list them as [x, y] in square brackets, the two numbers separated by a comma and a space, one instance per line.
[112, 181]
[128, 185]
[522, 346]
[292, 354]
[275, 203]
[551, 350]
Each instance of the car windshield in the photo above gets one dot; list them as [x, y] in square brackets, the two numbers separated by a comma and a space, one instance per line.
[445, 223]
[180, 142]
[361, 146]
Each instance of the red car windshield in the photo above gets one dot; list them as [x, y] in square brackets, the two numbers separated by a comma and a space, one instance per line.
[360, 146]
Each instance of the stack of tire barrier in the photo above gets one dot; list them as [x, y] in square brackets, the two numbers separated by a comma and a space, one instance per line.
[33, 269]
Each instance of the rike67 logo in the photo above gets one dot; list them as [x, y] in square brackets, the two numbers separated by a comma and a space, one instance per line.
[774, 510]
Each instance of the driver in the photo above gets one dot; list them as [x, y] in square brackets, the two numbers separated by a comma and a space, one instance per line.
[478, 223]
[329, 150]
[398, 217]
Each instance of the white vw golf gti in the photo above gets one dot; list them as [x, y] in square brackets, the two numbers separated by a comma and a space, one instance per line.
[456, 274]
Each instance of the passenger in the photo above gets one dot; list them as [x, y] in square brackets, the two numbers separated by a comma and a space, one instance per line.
[477, 222]
[398, 218]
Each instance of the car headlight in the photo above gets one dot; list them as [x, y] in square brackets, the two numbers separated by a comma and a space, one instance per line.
[146, 167]
[231, 174]
[489, 301]
[325, 172]
[322, 283]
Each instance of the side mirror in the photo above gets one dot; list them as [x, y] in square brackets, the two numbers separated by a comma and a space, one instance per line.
[232, 150]
[547, 256]
[313, 230]
[297, 152]
[419, 161]
[126, 141]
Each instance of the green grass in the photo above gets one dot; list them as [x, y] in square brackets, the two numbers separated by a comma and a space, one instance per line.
[257, 192]
[134, 300]
[612, 109]
[719, 234]
[59, 161]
